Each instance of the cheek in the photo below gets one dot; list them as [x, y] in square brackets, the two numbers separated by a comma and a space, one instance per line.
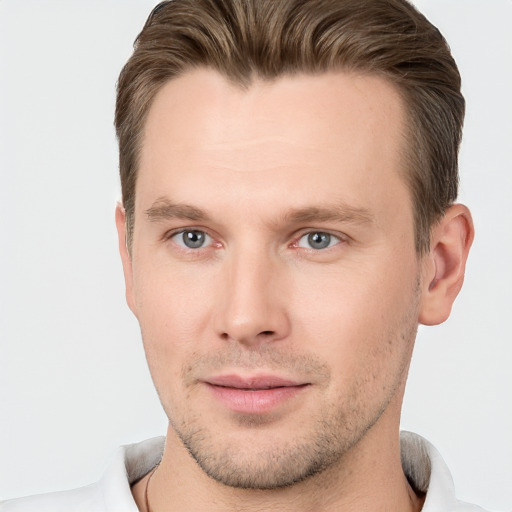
[173, 310]
[358, 315]
[169, 298]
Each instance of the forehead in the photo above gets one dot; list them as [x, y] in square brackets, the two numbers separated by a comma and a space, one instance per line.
[202, 108]
[330, 132]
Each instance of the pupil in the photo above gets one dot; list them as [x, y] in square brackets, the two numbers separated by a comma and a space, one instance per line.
[193, 239]
[319, 240]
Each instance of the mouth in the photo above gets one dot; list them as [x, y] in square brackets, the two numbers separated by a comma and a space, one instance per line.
[254, 394]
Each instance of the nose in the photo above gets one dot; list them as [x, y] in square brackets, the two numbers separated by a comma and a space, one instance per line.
[252, 306]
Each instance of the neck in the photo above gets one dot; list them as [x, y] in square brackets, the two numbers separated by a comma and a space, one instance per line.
[369, 477]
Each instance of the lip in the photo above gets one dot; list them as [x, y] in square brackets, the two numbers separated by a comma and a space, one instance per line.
[257, 394]
[254, 382]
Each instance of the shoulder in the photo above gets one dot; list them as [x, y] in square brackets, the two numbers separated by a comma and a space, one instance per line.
[112, 493]
[87, 498]
[468, 507]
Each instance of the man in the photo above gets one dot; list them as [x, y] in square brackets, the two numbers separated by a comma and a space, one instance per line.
[289, 172]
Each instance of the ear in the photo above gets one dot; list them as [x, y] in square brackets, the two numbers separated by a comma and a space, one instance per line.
[445, 264]
[126, 257]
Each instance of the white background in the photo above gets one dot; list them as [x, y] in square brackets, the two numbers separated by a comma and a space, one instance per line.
[73, 380]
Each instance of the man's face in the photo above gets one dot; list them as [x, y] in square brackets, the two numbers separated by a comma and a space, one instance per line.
[273, 269]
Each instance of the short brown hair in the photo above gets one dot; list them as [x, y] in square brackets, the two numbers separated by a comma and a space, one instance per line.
[243, 39]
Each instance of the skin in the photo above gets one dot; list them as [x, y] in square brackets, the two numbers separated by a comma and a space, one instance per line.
[257, 171]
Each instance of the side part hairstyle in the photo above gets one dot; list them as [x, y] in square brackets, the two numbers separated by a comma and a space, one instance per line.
[267, 39]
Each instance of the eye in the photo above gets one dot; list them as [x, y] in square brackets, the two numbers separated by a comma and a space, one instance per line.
[191, 239]
[317, 240]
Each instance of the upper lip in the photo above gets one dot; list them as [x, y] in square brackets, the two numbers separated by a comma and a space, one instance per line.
[252, 382]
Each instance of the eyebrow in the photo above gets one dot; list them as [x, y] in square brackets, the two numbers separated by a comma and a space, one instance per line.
[334, 213]
[164, 209]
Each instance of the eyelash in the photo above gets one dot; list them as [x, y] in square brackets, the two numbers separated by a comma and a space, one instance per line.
[172, 234]
[338, 239]
[332, 237]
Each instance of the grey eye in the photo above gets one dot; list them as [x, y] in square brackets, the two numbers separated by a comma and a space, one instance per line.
[192, 239]
[318, 240]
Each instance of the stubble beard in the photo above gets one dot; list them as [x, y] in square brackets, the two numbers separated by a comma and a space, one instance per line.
[265, 467]
[338, 428]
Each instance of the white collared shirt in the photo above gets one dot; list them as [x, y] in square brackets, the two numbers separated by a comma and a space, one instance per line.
[422, 464]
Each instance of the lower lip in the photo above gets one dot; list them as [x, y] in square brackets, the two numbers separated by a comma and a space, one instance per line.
[255, 402]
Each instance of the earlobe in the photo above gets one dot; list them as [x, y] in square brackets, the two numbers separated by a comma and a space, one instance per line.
[125, 256]
[445, 264]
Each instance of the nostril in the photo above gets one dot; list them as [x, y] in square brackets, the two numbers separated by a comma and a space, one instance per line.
[267, 333]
